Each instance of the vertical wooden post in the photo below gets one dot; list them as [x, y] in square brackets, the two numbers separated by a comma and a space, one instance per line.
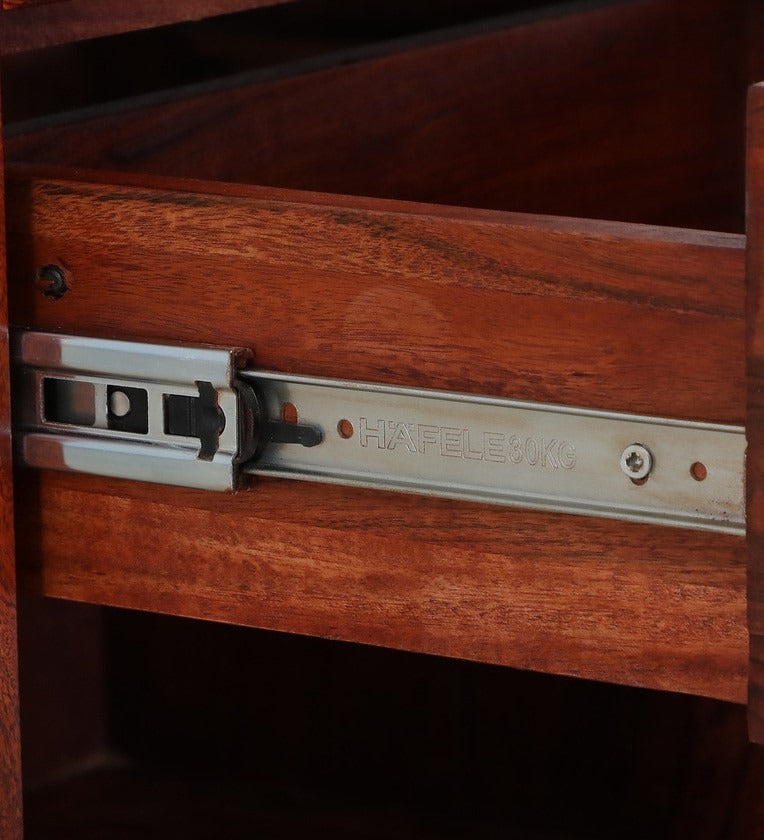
[10, 753]
[755, 418]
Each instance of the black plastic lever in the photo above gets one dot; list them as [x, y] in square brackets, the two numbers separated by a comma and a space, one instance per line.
[274, 431]
[200, 417]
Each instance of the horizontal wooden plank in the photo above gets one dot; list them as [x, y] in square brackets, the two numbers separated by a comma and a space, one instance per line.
[45, 23]
[585, 313]
[562, 310]
[637, 606]
[480, 121]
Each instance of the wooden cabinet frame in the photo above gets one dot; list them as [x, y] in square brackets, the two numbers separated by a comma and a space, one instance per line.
[10, 751]
[608, 315]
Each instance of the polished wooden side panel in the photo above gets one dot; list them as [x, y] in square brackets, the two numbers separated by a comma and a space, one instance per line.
[633, 111]
[35, 26]
[755, 421]
[10, 756]
[583, 313]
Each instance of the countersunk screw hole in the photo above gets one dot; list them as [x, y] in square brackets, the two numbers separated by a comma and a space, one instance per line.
[51, 280]
[289, 413]
[699, 471]
[345, 429]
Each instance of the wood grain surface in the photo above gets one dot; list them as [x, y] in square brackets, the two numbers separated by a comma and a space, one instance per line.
[560, 115]
[10, 756]
[35, 25]
[755, 422]
[582, 313]
[8, 5]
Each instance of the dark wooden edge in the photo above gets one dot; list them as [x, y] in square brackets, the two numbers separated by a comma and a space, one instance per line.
[755, 419]
[601, 228]
[35, 26]
[11, 5]
[10, 752]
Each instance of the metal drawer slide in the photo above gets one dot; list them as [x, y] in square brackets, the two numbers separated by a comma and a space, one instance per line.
[199, 417]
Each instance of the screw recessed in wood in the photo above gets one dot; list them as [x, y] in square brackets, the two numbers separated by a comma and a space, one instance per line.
[51, 280]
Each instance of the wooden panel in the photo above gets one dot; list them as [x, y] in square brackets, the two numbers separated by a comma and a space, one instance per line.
[34, 25]
[583, 313]
[755, 422]
[390, 727]
[635, 113]
[361, 762]
[755, 26]
[17, 4]
[10, 759]
[61, 676]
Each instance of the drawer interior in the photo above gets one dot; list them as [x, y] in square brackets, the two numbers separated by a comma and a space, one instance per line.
[628, 111]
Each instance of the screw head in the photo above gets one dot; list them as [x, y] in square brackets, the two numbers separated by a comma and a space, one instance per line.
[51, 280]
[636, 461]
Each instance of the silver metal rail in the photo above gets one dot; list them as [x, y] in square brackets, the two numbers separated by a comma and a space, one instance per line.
[481, 449]
[197, 417]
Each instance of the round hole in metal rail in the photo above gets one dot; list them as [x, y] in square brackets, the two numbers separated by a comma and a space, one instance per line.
[699, 471]
[345, 429]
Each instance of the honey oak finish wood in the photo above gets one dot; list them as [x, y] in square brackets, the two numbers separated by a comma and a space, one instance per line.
[477, 121]
[582, 313]
[10, 753]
